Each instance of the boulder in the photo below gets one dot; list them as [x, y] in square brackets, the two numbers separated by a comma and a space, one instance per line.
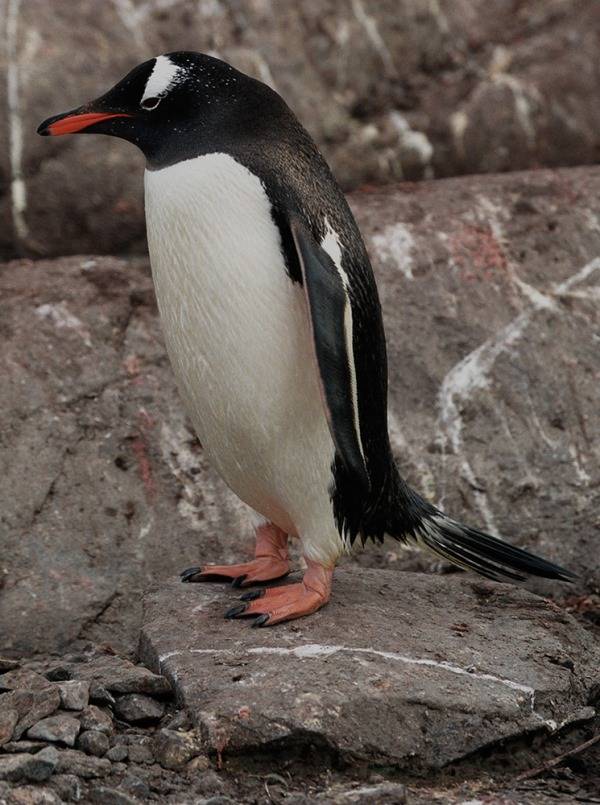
[489, 287]
[399, 669]
[392, 89]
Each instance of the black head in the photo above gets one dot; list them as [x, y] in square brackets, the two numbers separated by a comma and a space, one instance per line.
[177, 106]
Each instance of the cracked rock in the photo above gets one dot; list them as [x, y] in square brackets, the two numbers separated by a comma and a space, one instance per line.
[137, 708]
[60, 728]
[384, 652]
[74, 694]
[118, 675]
[31, 705]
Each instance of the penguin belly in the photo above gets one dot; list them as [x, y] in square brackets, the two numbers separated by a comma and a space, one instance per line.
[238, 336]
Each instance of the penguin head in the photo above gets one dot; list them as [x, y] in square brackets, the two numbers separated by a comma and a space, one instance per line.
[173, 105]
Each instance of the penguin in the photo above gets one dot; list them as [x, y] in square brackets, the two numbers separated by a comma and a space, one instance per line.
[273, 326]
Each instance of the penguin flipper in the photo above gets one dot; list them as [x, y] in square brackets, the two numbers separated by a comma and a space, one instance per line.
[330, 313]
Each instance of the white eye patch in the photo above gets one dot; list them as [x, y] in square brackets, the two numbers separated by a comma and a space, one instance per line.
[163, 77]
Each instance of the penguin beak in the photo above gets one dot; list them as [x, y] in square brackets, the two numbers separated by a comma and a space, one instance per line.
[74, 121]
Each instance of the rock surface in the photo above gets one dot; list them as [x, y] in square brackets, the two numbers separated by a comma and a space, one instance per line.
[489, 287]
[400, 669]
[398, 88]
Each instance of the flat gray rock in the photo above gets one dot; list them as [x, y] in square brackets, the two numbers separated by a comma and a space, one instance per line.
[400, 668]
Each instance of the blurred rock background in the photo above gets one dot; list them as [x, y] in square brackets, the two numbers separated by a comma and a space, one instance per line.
[394, 89]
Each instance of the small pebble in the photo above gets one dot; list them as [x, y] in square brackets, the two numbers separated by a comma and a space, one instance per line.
[118, 753]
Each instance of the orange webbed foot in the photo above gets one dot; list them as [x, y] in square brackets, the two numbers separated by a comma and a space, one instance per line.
[278, 604]
[271, 562]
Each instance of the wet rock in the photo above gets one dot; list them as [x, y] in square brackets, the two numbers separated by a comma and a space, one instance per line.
[36, 768]
[93, 718]
[8, 722]
[94, 743]
[137, 708]
[71, 761]
[384, 652]
[74, 695]
[458, 263]
[174, 749]
[60, 728]
[101, 795]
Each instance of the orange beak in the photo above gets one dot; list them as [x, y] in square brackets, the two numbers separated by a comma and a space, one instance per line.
[71, 123]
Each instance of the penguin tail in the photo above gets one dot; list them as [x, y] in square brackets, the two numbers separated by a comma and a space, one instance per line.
[410, 518]
[475, 550]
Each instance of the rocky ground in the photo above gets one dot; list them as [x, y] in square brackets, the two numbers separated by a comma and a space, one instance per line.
[389, 90]
[409, 686]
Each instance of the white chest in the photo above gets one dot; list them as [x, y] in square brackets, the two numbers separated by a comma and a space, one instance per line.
[235, 326]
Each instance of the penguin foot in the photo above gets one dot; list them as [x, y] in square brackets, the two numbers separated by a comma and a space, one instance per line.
[271, 562]
[277, 604]
[263, 568]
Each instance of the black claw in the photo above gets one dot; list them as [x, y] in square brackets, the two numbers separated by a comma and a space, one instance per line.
[238, 581]
[234, 612]
[187, 575]
[252, 596]
[260, 621]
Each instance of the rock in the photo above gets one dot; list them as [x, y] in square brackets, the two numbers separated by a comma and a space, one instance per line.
[71, 761]
[458, 261]
[28, 795]
[31, 705]
[442, 88]
[74, 695]
[119, 675]
[94, 743]
[141, 752]
[8, 722]
[93, 718]
[60, 673]
[100, 795]
[133, 785]
[23, 766]
[99, 695]
[60, 728]
[24, 746]
[383, 794]
[458, 663]
[67, 787]
[117, 754]
[172, 750]
[23, 679]
[134, 707]
[7, 664]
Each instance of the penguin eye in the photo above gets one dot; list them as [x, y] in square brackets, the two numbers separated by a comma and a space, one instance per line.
[150, 103]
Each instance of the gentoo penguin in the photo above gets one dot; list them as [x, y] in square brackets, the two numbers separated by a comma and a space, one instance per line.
[273, 326]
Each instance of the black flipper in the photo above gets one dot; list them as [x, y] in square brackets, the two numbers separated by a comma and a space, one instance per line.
[330, 311]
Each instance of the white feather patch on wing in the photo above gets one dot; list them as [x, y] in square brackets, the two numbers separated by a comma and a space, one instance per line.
[163, 76]
[331, 245]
